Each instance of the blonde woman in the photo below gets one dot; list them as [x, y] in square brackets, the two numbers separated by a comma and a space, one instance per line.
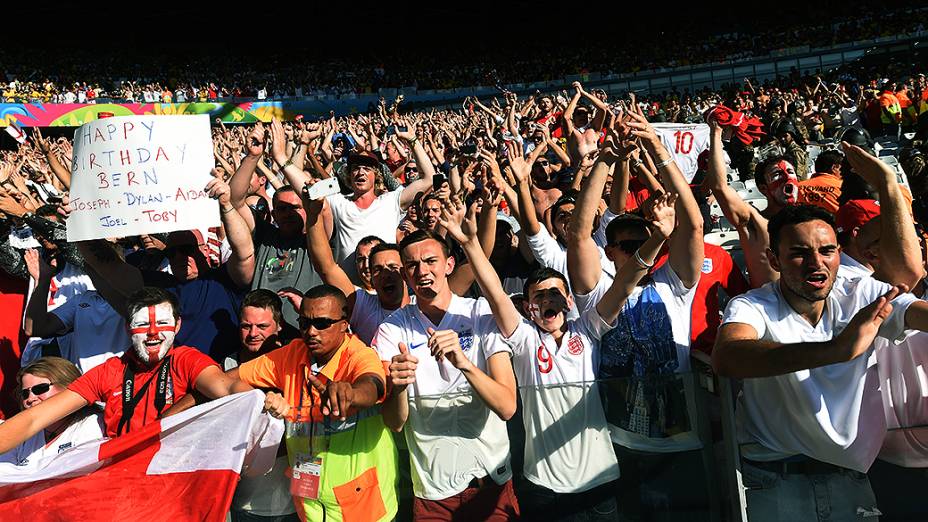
[37, 382]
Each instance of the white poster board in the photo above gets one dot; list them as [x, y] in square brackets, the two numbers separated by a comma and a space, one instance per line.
[136, 175]
[686, 141]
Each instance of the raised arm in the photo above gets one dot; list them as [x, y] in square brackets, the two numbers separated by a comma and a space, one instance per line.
[39, 322]
[899, 249]
[113, 278]
[686, 245]
[241, 179]
[320, 252]
[583, 263]
[505, 313]
[61, 172]
[662, 218]
[241, 264]
[424, 164]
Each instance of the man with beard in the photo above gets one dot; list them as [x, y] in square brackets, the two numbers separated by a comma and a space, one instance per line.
[154, 372]
[803, 346]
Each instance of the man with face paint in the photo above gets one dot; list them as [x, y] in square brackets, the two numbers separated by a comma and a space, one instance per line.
[137, 387]
[749, 222]
[555, 361]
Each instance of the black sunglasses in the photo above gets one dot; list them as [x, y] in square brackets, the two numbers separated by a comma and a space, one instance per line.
[629, 246]
[36, 390]
[319, 323]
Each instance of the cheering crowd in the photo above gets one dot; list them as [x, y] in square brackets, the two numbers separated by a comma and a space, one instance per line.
[191, 75]
[553, 258]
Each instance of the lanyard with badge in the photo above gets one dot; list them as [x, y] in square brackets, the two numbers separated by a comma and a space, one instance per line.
[306, 473]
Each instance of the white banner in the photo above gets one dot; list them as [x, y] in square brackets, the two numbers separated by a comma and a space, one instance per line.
[140, 175]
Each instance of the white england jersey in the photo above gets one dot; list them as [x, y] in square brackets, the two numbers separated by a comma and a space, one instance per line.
[685, 141]
[452, 435]
[567, 444]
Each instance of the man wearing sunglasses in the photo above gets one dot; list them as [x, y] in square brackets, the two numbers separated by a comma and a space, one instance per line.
[651, 342]
[332, 383]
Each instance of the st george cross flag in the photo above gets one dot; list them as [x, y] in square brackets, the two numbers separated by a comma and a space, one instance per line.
[183, 467]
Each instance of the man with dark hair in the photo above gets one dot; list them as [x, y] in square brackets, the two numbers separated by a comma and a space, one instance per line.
[449, 371]
[809, 411]
[824, 187]
[154, 372]
[362, 260]
[332, 384]
[365, 310]
[265, 497]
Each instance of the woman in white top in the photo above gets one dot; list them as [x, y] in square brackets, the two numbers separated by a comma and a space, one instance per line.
[37, 382]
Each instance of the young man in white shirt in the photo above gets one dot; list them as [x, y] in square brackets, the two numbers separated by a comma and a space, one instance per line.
[364, 213]
[556, 362]
[366, 311]
[452, 388]
[649, 406]
[802, 346]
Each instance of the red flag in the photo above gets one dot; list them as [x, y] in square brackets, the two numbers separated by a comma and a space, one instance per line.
[184, 467]
[745, 128]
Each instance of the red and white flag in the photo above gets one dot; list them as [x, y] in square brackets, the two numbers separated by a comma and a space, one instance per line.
[184, 467]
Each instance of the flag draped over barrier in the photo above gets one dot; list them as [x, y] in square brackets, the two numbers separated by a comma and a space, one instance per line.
[184, 467]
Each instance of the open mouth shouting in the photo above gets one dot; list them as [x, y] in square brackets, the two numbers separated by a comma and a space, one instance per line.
[817, 280]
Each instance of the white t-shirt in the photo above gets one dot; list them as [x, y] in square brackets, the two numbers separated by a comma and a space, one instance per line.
[685, 141]
[98, 332]
[551, 254]
[367, 315]
[33, 450]
[649, 346]
[451, 434]
[567, 443]
[832, 413]
[353, 223]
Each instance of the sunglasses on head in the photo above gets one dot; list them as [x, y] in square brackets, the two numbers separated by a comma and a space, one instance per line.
[542, 163]
[36, 390]
[629, 246]
[319, 323]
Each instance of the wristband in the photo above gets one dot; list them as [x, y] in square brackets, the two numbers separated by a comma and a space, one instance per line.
[637, 164]
[287, 164]
[664, 163]
[226, 211]
[641, 262]
[412, 142]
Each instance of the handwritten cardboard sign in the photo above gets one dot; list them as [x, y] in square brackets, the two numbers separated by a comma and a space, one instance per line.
[136, 175]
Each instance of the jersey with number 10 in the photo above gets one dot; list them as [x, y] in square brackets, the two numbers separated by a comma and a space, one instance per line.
[685, 142]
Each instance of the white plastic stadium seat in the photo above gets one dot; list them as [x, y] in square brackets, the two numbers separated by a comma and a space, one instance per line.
[750, 184]
[759, 203]
[737, 185]
[724, 239]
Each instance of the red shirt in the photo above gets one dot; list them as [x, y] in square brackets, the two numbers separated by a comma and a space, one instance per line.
[104, 383]
[637, 195]
[718, 270]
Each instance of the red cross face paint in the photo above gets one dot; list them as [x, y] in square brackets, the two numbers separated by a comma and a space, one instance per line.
[152, 332]
[782, 183]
